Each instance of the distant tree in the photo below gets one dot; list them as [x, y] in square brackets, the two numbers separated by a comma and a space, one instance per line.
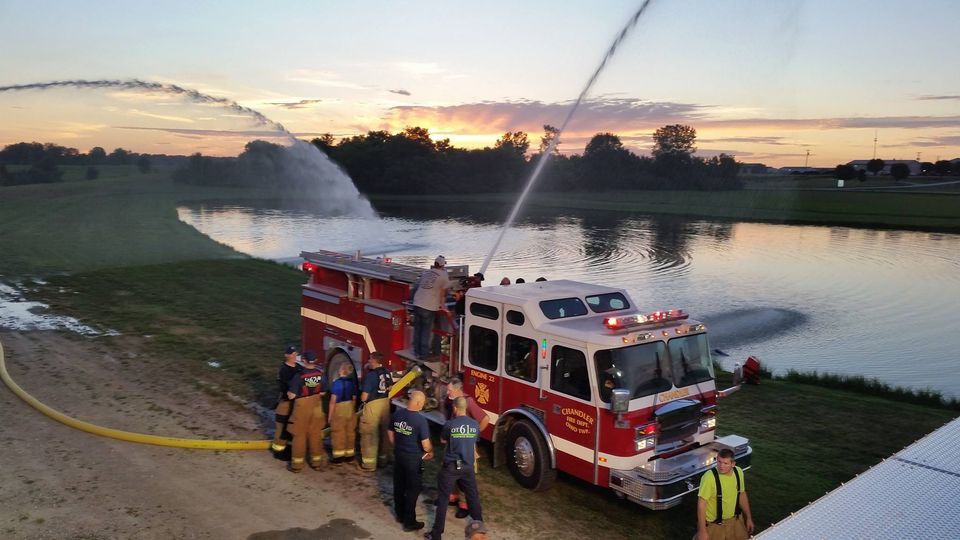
[516, 142]
[550, 134]
[92, 173]
[674, 141]
[899, 171]
[323, 142]
[926, 167]
[119, 157]
[96, 155]
[862, 175]
[876, 165]
[419, 135]
[845, 172]
[942, 167]
[143, 164]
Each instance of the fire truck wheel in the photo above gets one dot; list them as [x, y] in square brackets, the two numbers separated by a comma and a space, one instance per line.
[528, 458]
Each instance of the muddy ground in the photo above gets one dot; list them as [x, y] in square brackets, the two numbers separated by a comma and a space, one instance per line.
[58, 482]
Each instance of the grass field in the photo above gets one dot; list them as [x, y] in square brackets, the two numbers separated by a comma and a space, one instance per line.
[113, 253]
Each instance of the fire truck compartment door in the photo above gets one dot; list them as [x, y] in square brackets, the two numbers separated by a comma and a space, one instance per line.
[483, 350]
[572, 414]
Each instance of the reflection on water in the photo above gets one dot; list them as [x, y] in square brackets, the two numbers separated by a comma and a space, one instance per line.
[876, 303]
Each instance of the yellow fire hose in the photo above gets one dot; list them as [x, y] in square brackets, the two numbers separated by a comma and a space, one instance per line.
[176, 442]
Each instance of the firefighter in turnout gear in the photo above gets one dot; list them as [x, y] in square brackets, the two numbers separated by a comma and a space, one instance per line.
[307, 420]
[376, 415]
[288, 369]
[343, 418]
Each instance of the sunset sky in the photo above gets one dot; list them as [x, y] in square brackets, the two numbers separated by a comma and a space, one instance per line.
[767, 81]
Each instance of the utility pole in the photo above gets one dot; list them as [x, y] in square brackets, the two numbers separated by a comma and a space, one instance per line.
[918, 156]
[807, 159]
[874, 145]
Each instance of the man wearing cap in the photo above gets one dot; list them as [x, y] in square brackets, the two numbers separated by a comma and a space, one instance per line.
[460, 435]
[410, 436]
[307, 419]
[376, 414]
[428, 297]
[288, 369]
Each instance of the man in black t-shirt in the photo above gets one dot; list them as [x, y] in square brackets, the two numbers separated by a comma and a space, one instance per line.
[460, 434]
[410, 436]
[287, 370]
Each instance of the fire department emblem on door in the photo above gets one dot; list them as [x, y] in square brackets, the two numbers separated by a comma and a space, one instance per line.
[481, 393]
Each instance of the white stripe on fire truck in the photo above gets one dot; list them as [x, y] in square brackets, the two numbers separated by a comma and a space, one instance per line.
[340, 323]
[586, 454]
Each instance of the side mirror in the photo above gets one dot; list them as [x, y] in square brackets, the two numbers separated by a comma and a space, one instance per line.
[619, 400]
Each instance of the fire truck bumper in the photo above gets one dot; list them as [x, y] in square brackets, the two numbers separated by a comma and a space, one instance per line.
[662, 483]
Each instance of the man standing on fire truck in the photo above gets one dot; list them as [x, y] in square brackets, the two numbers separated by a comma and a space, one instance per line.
[454, 391]
[723, 510]
[288, 369]
[428, 297]
[375, 416]
[307, 420]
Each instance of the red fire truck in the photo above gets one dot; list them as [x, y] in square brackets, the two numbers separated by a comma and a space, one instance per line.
[574, 376]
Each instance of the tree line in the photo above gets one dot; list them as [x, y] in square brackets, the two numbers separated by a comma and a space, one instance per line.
[412, 162]
[40, 162]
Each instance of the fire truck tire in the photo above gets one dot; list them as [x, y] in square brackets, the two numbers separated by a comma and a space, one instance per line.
[528, 457]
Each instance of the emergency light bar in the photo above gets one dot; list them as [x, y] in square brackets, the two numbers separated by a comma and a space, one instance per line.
[633, 321]
[308, 267]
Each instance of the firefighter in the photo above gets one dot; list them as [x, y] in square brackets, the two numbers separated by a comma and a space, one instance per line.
[410, 436]
[343, 418]
[429, 295]
[307, 420]
[723, 509]
[288, 369]
[454, 391]
[460, 435]
[375, 416]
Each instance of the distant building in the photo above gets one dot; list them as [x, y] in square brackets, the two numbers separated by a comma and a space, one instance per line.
[805, 170]
[912, 164]
[753, 169]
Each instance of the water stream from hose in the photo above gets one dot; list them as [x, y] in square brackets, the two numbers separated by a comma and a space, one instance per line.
[556, 139]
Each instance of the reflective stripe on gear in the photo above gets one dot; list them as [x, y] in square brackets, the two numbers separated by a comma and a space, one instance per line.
[278, 447]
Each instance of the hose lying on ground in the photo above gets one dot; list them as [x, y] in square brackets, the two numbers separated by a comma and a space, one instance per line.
[177, 442]
[119, 434]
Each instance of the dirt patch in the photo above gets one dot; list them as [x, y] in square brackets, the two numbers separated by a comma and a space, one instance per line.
[57, 482]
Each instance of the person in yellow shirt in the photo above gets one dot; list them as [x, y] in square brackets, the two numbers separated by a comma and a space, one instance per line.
[723, 491]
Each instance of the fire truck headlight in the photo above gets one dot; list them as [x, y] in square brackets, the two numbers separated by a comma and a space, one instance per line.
[708, 423]
[645, 444]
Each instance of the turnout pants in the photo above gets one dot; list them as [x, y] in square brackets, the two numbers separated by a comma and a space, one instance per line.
[281, 415]
[343, 430]
[306, 425]
[373, 433]
[730, 529]
[447, 478]
[407, 484]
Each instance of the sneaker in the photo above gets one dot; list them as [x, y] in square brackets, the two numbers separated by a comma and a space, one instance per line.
[415, 526]
[462, 513]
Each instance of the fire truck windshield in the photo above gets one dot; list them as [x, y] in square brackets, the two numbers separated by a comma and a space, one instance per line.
[653, 367]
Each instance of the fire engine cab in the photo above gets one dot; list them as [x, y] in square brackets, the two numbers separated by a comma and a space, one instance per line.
[573, 376]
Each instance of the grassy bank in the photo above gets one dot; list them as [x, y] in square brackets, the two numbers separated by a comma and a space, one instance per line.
[916, 210]
[121, 259]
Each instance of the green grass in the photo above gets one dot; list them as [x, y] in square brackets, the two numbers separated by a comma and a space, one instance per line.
[872, 387]
[120, 220]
